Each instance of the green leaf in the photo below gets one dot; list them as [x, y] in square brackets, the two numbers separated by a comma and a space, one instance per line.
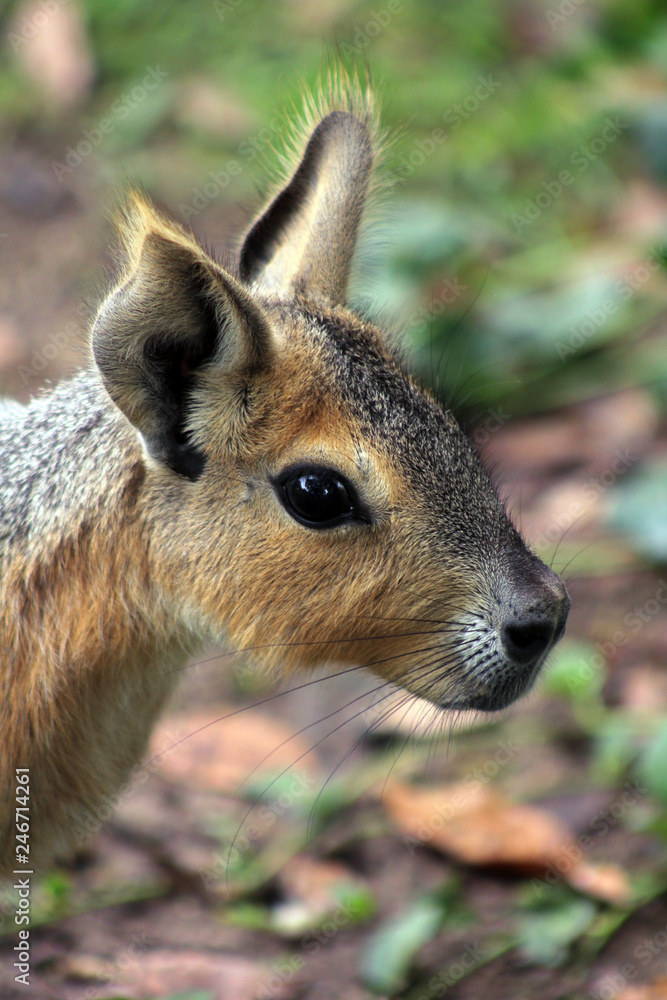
[615, 747]
[199, 995]
[389, 954]
[545, 933]
[250, 915]
[651, 766]
[640, 512]
[575, 672]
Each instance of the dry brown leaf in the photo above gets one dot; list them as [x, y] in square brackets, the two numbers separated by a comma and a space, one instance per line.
[479, 826]
[312, 891]
[656, 990]
[218, 751]
[82, 967]
[315, 882]
[607, 882]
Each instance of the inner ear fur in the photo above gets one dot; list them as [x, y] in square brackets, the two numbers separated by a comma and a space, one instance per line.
[305, 239]
[174, 312]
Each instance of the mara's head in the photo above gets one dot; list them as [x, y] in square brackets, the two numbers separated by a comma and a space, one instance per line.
[305, 495]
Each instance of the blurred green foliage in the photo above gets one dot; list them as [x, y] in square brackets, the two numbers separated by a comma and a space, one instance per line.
[519, 246]
[491, 105]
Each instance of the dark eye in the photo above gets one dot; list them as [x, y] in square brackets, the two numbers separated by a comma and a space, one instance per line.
[318, 497]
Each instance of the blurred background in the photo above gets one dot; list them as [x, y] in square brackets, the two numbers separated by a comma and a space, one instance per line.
[520, 250]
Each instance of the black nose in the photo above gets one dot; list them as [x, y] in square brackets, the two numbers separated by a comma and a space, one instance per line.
[525, 640]
[536, 610]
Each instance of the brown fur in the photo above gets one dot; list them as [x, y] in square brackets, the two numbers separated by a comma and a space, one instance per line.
[141, 513]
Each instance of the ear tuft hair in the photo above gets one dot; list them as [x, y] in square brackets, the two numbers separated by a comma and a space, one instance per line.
[135, 219]
[306, 237]
[336, 90]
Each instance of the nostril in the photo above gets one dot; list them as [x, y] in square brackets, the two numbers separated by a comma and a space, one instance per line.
[525, 641]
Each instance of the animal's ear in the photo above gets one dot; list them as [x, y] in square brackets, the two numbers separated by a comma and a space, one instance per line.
[174, 312]
[305, 239]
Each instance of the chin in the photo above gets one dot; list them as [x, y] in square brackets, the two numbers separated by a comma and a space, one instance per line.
[495, 695]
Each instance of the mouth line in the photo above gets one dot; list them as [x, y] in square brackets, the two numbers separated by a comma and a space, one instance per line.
[503, 689]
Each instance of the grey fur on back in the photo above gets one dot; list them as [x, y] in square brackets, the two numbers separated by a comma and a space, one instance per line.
[42, 449]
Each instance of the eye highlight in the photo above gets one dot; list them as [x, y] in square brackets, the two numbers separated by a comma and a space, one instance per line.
[318, 497]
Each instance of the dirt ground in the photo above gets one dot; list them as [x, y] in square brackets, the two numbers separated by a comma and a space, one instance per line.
[135, 915]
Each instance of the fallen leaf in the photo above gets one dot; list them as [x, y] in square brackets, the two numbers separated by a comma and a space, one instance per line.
[314, 881]
[603, 881]
[656, 990]
[391, 950]
[316, 889]
[479, 826]
[218, 750]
